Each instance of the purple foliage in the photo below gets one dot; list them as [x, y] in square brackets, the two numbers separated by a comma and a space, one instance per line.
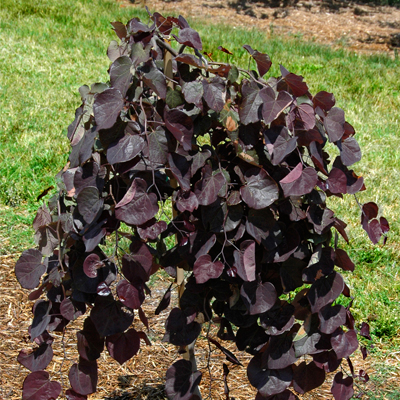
[251, 218]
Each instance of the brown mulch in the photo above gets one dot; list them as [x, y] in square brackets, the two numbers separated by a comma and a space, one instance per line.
[359, 27]
[143, 376]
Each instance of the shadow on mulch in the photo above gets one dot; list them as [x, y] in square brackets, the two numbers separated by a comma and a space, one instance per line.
[144, 392]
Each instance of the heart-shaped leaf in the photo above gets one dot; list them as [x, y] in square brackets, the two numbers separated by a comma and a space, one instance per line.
[37, 386]
[83, 377]
[181, 382]
[29, 269]
[38, 359]
[260, 190]
[123, 346]
[141, 208]
[205, 268]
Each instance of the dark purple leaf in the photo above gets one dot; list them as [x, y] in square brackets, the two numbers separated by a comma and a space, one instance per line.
[37, 386]
[158, 146]
[251, 103]
[305, 117]
[304, 138]
[206, 247]
[89, 203]
[120, 74]
[283, 145]
[280, 352]
[90, 174]
[83, 377]
[334, 124]
[42, 218]
[262, 60]
[214, 93]
[364, 352]
[90, 344]
[143, 318]
[165, 301]
[91, 264]
[370, 210]
[307, 377]
[331, 317]
[186, 200]
[189, 37]
[322, 219]
[245, 260]
[109, 317]
[364, 331]
[151, 229]
[317, 156]
[342, 388]
[285, 395]
[107, 107]
[268, 381]
[344, 343]
[180, 125]
[193, 92]
[299, 182]
[327, 360]
[41, 318]
[295, 82]
[190, 60]
[181, 169]
[273, 104]
[205, 268]
[29, 269]
[258, 297]
[120, 29]
[343, 260]
[350, 151]
[206, 189]
[180, 331]
[325, 290]
[262, 225]
[137, 264]
[38, 359]
[155, 79]
[130, 295]
[136, 26]
[260, 189]
[324, 100]
[126, 149]
[140, 208]
[337, 181]
[181, 382]
[123, 346]
[71, 395]
[229, 355]
[373, 229]
[69, 311]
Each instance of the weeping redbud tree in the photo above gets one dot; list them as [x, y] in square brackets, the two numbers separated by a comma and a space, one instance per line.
[244, 160]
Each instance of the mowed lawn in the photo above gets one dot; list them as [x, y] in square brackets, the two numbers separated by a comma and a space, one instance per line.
[49, 49]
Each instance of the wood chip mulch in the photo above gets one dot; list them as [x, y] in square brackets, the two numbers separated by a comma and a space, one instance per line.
[138, 379]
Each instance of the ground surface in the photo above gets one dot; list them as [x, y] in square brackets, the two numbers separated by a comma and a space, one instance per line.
[355, 26]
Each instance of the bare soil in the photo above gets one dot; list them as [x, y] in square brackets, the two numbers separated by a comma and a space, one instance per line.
[359, 27]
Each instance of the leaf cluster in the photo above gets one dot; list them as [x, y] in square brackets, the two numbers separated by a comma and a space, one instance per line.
[244, 160]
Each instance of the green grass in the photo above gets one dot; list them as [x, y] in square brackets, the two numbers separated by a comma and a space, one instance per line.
[48, 49]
